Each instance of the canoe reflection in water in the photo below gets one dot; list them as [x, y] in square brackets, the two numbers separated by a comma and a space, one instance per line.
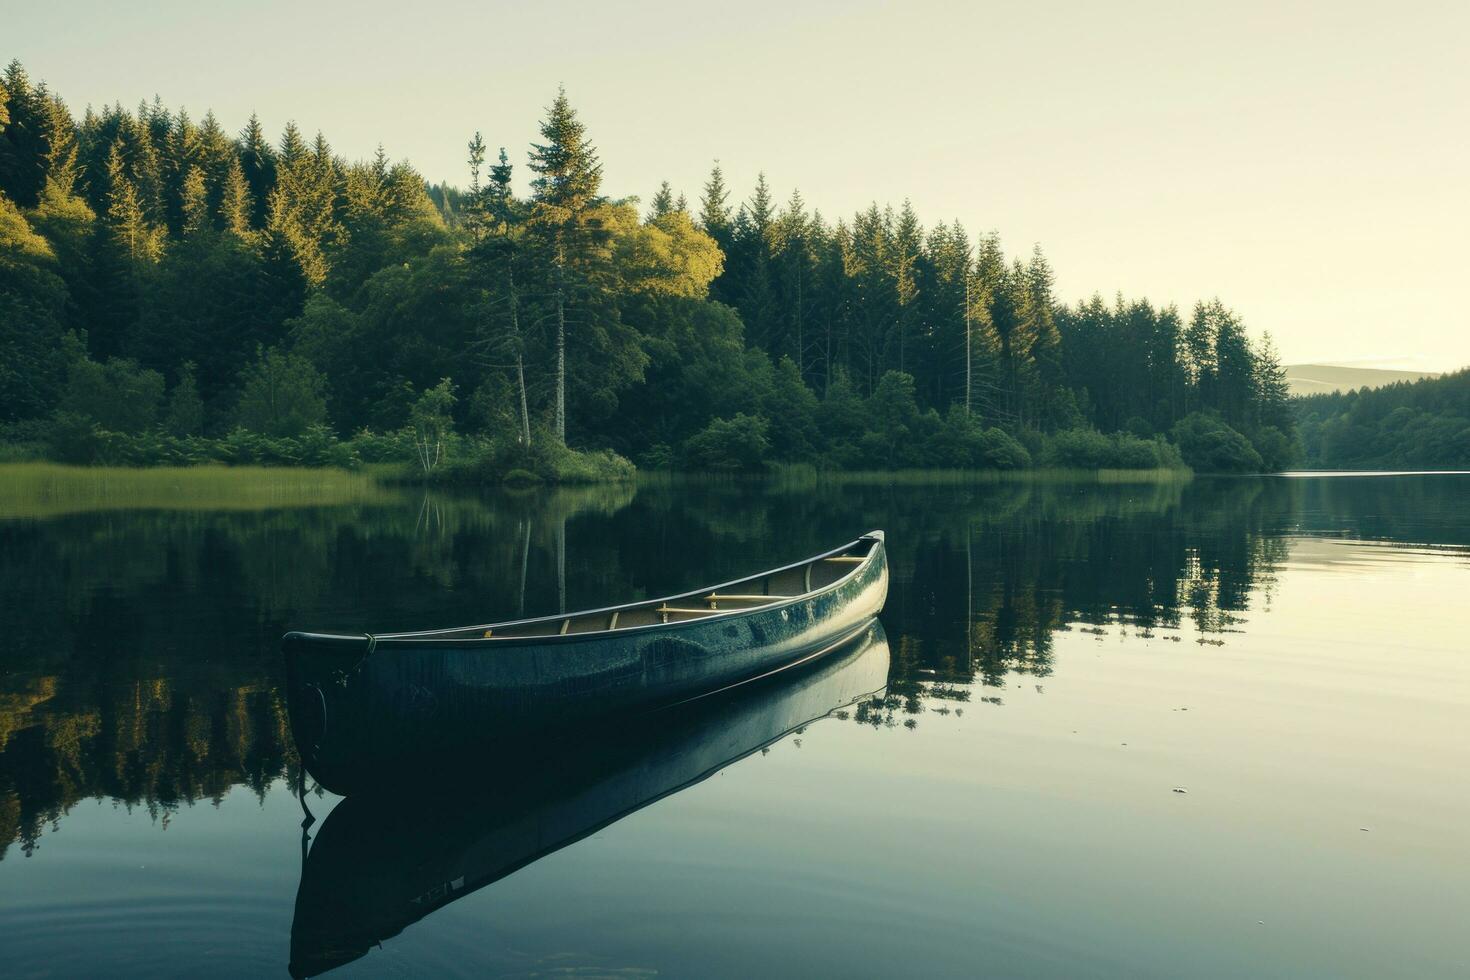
[382, 862]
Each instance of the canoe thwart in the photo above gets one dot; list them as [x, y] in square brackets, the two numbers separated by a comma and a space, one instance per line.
[722, 597]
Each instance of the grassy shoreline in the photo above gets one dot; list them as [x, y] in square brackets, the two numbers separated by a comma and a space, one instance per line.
[51, 489]
[39, 489]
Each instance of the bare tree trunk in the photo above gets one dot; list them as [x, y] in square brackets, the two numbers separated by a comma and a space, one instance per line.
[515, 325]
[561, 353]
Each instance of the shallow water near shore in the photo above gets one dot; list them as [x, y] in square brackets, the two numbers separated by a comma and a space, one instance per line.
[1120, 727]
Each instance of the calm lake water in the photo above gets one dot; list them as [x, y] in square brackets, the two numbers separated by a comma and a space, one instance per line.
[1208, 728]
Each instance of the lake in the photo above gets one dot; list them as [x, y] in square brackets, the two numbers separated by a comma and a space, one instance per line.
[1108, 727]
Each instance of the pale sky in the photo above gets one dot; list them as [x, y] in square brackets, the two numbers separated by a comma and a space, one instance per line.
[1309, 163]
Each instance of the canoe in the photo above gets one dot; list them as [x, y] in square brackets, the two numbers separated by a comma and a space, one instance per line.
[381, 863]
[363, 706]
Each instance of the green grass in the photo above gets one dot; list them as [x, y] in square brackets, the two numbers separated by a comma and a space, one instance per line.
[33, 490]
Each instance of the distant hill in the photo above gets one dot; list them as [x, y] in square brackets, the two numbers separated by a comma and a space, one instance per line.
[1323, 379]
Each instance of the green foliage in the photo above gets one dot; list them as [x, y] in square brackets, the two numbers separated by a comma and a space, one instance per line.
[791, 408]
[897, 433]
[185, 413]
[118, 395]
[33, 308]
[433, 424]
[668, 254]
[1092, 450]
[658, 456]
[964, 443]
[1278, 450]
[1208, 445]
[492, 461]
[567, 316]
[842, 420]
[1420, 425]
[736, 444]
[281, 395]
[74, 439]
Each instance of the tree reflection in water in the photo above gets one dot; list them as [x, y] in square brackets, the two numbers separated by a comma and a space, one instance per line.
[145, 666]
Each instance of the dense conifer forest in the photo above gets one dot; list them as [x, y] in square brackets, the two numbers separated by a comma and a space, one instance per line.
[173, 290]
[1409, 425]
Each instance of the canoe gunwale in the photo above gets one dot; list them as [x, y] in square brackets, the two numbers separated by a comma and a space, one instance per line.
[438, 637]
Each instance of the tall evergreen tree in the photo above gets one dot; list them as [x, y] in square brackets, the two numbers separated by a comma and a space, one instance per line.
[565, 190]
[714, 211]
[236, 207]
[26, 141]
[1273, 392]
[663, 201]
[258, 163]
[194, 204]
[127, 223]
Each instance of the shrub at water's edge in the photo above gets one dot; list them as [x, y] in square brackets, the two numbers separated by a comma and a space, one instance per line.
[491, 461]
[1208, 445]
[1088, 449]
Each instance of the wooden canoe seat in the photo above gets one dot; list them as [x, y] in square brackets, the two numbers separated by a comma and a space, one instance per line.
[848, 558]
[666, 610]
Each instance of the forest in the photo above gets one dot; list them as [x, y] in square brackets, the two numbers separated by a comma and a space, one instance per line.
[1408, 425]
[172, 292]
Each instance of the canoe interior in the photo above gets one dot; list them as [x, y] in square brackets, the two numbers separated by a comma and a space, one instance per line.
[764, 589]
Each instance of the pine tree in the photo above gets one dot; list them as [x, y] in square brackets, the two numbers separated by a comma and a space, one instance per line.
[903, 258]
[663, 202]
[475, 216]
[794, 264]
[1199, 357]
[236, 206]
[146, 139]
[714, 212]
[501, 198]
[62, 148]
[1042, 343]
[1273, 391]
[568, 178]
[258, 162]
[26, 142]
[293, 147]
[183, 156]
[1235, 382]
[302, 206]
[216, 153]
[495, 229]
[127, 224]
[194, 204]
[748, 279]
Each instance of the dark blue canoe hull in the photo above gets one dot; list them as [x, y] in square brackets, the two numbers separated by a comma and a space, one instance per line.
[363, 707]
